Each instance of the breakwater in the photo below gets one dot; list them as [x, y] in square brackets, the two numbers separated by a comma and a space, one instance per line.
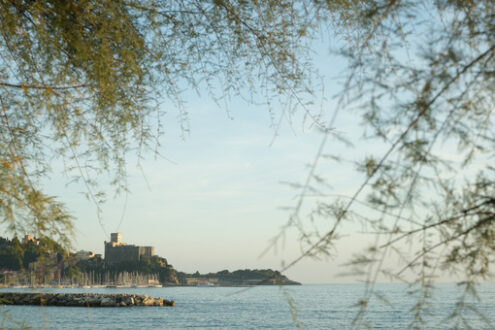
[82, 299]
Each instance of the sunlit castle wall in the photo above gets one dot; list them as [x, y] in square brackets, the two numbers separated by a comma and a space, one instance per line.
[118, 251]
[116, 238]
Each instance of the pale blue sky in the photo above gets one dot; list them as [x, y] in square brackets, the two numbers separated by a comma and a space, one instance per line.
[216, 206]
[213, 204]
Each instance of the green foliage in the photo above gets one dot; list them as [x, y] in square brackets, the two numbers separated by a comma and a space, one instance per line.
[421, 76]
[82, 82]
[15, 255]
[243, 277]
[146, 266]
[9, 259]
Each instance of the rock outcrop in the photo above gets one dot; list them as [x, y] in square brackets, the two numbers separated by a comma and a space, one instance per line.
[82, 299]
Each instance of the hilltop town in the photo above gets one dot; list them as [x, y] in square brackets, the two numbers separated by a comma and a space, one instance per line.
[38, 262]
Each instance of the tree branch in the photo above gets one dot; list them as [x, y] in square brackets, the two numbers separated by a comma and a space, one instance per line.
[22, 86]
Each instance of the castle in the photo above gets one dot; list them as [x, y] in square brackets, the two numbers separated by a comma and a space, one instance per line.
[118, 251]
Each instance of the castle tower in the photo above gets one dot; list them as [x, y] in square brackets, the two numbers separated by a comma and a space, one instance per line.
[116, 238]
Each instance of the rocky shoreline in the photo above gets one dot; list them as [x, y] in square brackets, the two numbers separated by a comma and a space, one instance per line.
[82, 299]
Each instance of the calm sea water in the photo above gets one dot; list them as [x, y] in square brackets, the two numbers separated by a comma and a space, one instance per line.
[328, 306]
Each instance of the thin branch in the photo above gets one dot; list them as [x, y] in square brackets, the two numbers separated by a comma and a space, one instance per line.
[436, 224]
[450, 239]
[23, 86]
[427, 106]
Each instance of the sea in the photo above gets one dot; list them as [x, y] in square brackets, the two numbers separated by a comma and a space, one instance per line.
[311, 306]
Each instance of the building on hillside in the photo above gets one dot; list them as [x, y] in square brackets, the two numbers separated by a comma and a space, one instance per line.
[118, 251]
[84, 255]
[29, 238]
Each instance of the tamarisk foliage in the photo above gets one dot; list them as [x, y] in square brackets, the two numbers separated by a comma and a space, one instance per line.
[421, 76]
[82, 82]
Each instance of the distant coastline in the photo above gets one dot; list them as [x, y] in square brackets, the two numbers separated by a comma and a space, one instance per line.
[245, 277]
[42, 263]
[224, 278]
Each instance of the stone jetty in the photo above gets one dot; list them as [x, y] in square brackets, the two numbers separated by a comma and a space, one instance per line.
[82, 299]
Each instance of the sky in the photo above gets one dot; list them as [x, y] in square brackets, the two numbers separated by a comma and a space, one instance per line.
[219, 194]
[214, 202]
[215, 199]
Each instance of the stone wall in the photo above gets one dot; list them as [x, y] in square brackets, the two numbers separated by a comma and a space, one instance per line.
[121, 253]
[118, 251]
